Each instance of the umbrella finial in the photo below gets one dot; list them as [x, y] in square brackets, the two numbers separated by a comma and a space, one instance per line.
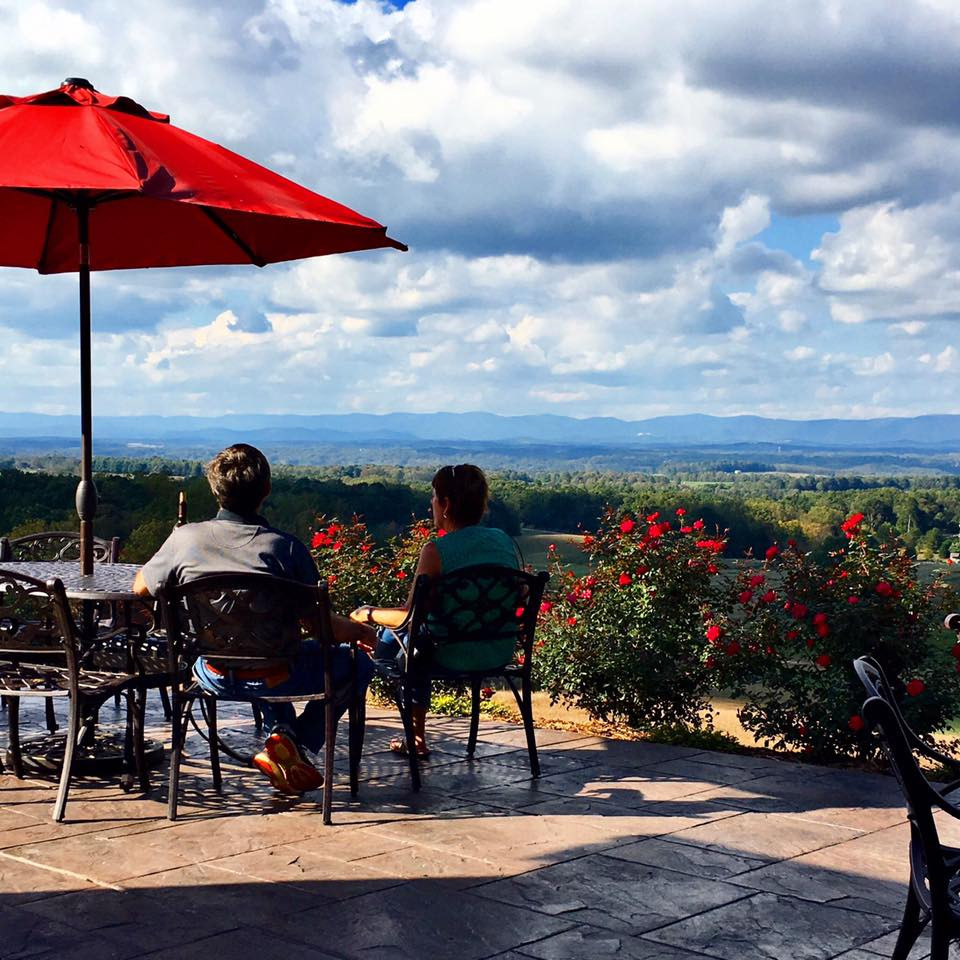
[77, 82]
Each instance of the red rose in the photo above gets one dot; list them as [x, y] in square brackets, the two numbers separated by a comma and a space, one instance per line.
[698, 524]
[714, 633]
[793, 634]
[588, 541]
[811, 643]
[641, 570]
[798, 611]
[337, 546]
[546, 606]
[853, 600]
[822, 630]
[486, 692]
[441, 532]
[625, 580]
[626, 525]
[819, 618]
[772, 552]
[884, 589]
[332, 578]
[851, 523]
[365, 547]
[823, 660]
[653, 517]
[757, 579]
[686, 529]
[745, 597]
[571, 621]
[654, 530]
[318, 540]
[769, 597]
[916, 687]
[401, 575]
[680, 511]
[712, 568]
[955, 650]
[710, 663]
[855, 723]
[733, 648]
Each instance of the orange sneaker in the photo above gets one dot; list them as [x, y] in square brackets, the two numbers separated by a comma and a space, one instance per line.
[283, 764]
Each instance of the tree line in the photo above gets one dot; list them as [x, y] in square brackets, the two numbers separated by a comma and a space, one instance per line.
[140, 506]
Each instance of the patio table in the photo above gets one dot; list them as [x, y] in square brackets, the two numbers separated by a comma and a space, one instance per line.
[109, 582]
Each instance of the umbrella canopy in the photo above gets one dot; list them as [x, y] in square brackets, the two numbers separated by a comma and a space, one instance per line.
[92, 182]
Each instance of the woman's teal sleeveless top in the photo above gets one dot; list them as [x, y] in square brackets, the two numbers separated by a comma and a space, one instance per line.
[468, 547]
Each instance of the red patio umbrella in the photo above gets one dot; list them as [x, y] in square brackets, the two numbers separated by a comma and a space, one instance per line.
[91, 182]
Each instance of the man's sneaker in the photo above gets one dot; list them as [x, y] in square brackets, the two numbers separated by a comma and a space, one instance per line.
[281, 761]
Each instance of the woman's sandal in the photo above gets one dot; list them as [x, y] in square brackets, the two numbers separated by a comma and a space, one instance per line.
[399, 745]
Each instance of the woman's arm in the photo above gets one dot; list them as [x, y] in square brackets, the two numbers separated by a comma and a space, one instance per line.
[428, 563]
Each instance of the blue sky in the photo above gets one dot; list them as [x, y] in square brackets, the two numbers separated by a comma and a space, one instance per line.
[616, 208]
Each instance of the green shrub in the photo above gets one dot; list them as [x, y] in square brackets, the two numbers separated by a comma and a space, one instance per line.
[625, 642]
[784, 636]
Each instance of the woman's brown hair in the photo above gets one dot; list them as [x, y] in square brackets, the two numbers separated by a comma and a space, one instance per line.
[465, 489]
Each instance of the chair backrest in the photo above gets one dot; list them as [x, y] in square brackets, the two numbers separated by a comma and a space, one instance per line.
[476, 618]
[35, 619]
[57, 545]
[239, 618]
[883, 717]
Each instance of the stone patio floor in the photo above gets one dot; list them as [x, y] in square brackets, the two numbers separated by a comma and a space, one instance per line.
[627, 850]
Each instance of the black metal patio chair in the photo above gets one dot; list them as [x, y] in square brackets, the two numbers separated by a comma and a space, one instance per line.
[933, 896]
[249, 621]
[57, 545]
[471, 625]
[41, 656]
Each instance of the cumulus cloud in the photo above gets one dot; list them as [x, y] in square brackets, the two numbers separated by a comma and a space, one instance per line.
[594, 195]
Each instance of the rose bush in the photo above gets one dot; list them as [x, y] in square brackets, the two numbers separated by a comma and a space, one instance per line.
[625, 641]
[784, 636]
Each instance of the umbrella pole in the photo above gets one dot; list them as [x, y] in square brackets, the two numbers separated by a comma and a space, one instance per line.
[86, 491]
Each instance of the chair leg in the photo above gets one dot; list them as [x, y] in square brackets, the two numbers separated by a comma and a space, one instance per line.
[116, 701]
[211, 710]
[165, 703]
[474, 718]
[50, 715]
[257, 715]
[939, 941]
[910, 927]
[179, 736]
[73, 734]
[13, 721]
[357, 717]
[139, 723]
[329, 746]
[407, 718]
[524, 698]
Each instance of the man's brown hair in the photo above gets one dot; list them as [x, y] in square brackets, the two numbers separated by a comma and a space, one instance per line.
[239, 478]
[465, 487]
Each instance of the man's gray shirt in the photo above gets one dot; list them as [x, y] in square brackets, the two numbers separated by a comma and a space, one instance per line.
[229, 544]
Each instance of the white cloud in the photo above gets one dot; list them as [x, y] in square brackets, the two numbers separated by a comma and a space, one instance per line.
[598, 198]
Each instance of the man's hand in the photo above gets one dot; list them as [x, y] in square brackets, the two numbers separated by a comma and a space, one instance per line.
[140, 587]
[362, 614]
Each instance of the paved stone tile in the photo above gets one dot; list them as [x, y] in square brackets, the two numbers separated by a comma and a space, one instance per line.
[551, 761]
[831, 876]
[630, 753]
[21, 882]
[765, 836]
[224, 893]
[322, 877]
[516, 736]
[624, 785]
[768, 927]
[614, 894]
[876, 800]
[28, 934]
[390, 925]
[515, 842]
[463, 777]
[883, 946]
[593, 943]
[131, 920]
[695, 861]
[106, 856]
[760, 766]
[696, 770]
[243, 945]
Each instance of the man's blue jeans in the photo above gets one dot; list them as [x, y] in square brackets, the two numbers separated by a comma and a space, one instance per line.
[306, 677]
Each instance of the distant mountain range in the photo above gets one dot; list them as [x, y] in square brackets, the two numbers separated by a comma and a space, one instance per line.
[926, 433]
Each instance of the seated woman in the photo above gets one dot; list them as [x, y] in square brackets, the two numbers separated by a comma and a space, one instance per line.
[459, 501]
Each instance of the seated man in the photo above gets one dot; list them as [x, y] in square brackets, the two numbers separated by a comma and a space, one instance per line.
[239, 540]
